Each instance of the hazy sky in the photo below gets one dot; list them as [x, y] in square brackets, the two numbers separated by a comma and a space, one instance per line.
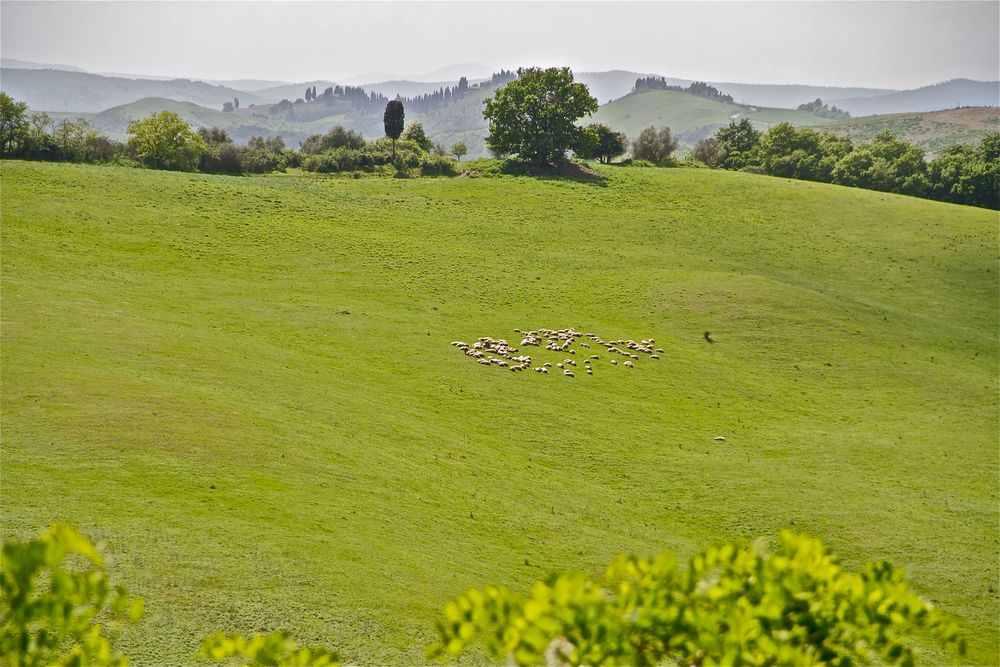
[878, 44]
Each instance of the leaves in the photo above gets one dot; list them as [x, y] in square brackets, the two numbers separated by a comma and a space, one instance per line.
[50, 612]
[535, 115]
[276, 648]
[733, 605]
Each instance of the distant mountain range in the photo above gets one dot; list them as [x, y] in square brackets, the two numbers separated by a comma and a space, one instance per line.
[111, 101]
[946, 95]
[63, 90]
[51, 87]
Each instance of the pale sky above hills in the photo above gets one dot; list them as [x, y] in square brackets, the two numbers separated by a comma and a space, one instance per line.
[876, 44]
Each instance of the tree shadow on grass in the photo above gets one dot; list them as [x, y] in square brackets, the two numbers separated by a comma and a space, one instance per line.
[570, 171]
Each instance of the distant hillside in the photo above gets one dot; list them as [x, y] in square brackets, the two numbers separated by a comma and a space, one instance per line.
[690, 117]
[791, 96]
[931, 131]
[53, 90]
[13, 63]
[241, 125]
[410, 88]
[608, 86]
[290, 91]
[947, 95]
[447, 73]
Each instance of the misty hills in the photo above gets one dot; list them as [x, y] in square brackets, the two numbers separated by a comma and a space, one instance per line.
[64, 88]
[278, 110]
[946, 95]
[61, 90]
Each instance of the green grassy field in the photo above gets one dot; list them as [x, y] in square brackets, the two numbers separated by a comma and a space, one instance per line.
[932, 131]
[689, 117]
[243, 388]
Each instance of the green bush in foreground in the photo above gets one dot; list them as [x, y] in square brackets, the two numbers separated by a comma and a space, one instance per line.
[275, 649]
[732, 606]
[50, 613]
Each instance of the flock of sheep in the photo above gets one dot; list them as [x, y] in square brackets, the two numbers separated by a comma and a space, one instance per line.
[498, 352]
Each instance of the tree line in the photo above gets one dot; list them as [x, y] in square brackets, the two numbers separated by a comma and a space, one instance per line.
[699, 88]
[961, 174]
[164, 140]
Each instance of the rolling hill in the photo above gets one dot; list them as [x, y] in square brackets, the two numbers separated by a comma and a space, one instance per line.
[941, 96]
[243, 387]
[690, 117]
[790, 96]
[932, 131]
[56, 90]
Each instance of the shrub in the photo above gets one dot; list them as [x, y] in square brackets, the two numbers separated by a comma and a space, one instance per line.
[733, 605]
[436, 165]
[336, 137]
[165, 141]
[276, 648]
[50, 611]
[656, 147]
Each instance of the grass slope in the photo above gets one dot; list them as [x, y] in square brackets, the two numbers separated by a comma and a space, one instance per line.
[284, 339]
[690, 117]
[931, 131]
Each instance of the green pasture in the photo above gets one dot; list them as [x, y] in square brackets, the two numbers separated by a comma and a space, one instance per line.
[243, 388]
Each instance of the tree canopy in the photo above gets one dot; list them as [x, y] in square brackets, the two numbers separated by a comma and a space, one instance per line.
[165, 141]
[600, 142]
[534, 116]
[655, 146]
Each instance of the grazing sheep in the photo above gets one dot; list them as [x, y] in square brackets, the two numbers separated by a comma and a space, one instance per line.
[654, 356]
[548, 364]
[614, 362]
[628, 364]
[544, 369]
[568, 373]
[659, 350]
[595, 356]
[719, 438]
[590, 371]
[633, 356]
[559, 365]
[485, 362]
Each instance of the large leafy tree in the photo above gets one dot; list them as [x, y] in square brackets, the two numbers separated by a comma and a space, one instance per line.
[392, 120]
[165, 141]
[534, 116]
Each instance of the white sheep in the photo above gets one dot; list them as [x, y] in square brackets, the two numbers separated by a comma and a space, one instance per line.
[568, 373]
[628, 364]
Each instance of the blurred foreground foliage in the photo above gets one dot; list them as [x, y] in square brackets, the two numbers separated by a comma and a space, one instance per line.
[732, 605]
